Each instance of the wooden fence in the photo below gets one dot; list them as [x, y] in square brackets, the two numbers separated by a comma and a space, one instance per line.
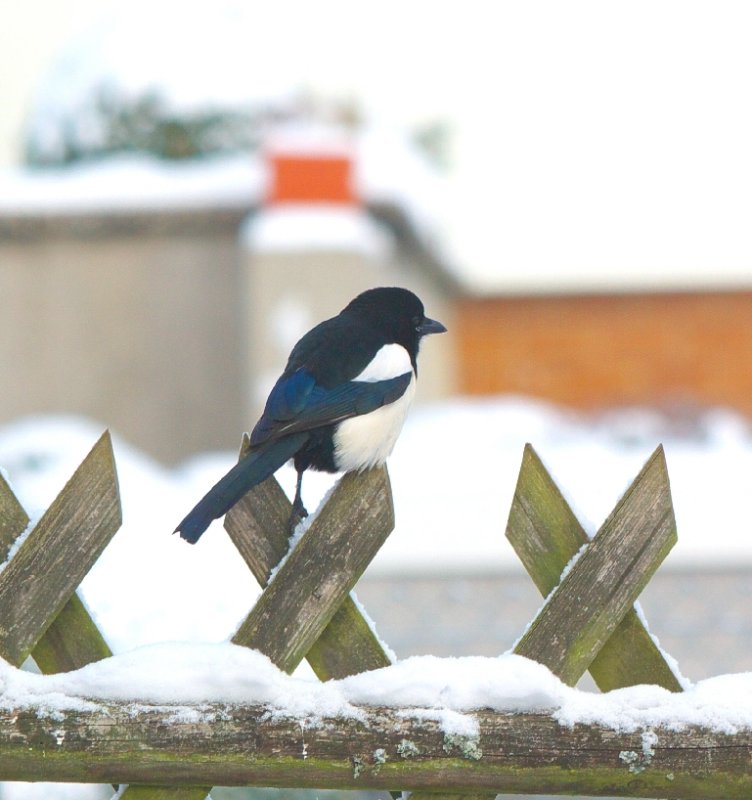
[588, 622]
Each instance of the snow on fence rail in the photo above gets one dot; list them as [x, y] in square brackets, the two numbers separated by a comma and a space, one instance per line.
[588, 622]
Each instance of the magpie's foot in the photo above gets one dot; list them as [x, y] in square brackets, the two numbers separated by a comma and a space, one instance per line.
[297, 514]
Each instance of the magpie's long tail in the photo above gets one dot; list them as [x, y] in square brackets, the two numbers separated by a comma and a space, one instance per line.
[253, 468]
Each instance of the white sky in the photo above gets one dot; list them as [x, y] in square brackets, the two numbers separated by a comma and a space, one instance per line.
[596, 143]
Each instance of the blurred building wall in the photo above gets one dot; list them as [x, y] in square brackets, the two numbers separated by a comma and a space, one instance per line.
[685, 348]
[133, 319]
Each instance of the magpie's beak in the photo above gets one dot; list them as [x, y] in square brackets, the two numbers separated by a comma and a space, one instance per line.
[430, 326]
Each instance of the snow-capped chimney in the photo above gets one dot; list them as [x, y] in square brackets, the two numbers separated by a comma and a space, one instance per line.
[311, 169]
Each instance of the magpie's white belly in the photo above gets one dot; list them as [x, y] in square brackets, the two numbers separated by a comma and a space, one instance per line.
[366, 441]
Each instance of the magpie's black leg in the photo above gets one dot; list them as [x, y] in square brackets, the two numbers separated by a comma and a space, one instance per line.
[298, 509]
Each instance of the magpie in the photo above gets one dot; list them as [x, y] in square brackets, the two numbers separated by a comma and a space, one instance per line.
[338, 406]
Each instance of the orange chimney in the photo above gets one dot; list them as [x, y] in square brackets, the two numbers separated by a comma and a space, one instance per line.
[314, 177]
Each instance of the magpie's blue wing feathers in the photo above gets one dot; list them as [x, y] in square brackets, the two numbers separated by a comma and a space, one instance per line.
[298, 403]
[290, 395]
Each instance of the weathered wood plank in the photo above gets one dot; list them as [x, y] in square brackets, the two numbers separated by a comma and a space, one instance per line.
[13, 518]
[593, 598]
[541, 527]
[347, 645]
[249, 746]
[424, 794]
[314, 581]
[135, 792]
[258, 527]
[43, 575]
[71, 641]
[546, 535]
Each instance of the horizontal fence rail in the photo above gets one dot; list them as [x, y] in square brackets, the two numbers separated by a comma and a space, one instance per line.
[385, 747]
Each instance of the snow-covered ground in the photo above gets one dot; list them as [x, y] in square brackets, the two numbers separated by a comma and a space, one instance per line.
[167, 608]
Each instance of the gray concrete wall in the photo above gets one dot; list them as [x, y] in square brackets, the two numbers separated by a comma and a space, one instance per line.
[133, 319]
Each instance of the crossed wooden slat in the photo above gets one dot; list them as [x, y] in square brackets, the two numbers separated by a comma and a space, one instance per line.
[588, 622]
[41, 613]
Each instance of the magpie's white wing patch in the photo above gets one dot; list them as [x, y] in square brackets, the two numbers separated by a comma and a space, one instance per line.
[391, 361]
[367, 441]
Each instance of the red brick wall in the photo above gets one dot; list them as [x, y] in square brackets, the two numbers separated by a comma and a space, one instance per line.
[596, 351]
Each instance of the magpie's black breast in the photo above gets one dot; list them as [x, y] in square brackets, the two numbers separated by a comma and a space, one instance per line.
[318, 451]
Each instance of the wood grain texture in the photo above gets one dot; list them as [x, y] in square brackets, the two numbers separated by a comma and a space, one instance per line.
[593, 598]
[545, 535]
[252, 746]
[72, 640]
[258, 527]
[44, 573]
[316, 578]
[135, 792]
[541, 527]
[13, 518]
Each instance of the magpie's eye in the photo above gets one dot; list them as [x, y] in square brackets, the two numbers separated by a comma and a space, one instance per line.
[417, 322]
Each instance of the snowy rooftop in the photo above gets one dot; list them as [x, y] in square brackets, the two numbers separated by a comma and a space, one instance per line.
[131, 184]
[394, 176]
[595, 148]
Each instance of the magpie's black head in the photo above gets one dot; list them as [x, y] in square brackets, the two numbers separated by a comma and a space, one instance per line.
[398, 315]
